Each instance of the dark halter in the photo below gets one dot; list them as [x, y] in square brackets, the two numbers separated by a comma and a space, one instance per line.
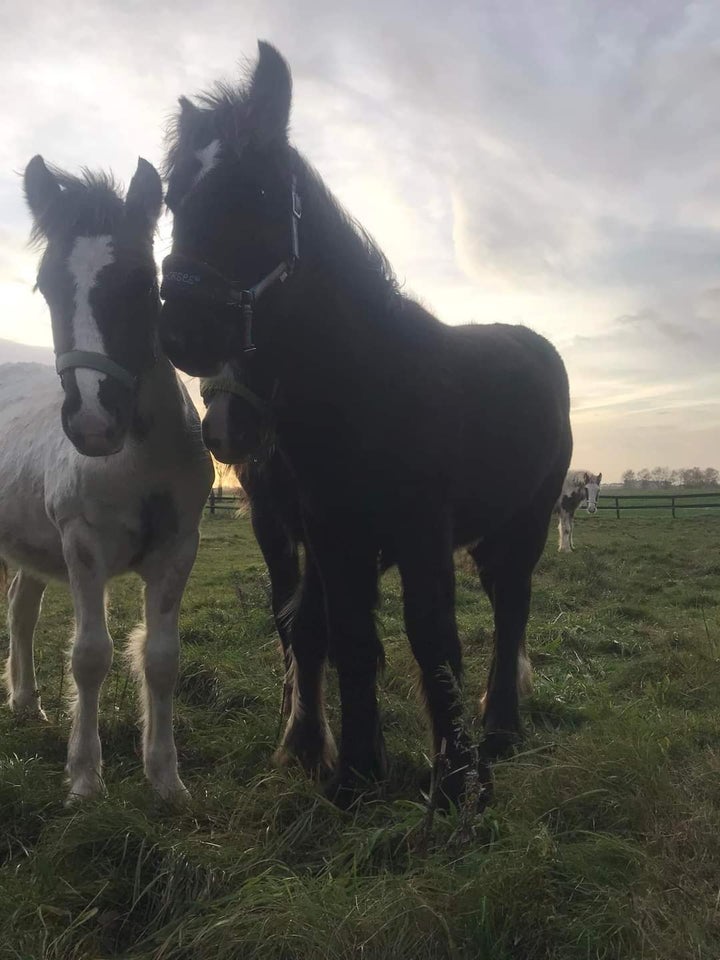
[185, 277]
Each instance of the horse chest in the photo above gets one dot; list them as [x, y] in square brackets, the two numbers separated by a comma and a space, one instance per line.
[129, 535]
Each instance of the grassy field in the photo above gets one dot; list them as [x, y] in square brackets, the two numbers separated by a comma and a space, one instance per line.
[603, 842]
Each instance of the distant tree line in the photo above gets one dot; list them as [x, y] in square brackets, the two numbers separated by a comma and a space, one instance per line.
[662, 478]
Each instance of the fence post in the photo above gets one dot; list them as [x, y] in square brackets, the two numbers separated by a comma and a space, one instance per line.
[617, 507]
[672, 500]
[212, 501]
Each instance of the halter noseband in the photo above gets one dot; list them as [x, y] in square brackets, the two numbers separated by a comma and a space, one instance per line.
[89, 360]
[226, 383]
[185, 277]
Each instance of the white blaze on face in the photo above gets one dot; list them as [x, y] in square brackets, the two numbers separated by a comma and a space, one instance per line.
[89, 256]
[208, 158]
[592, 488]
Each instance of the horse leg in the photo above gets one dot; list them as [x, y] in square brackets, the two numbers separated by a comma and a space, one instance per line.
[511, 561]
[24, 602]
[428, 578]
[91, 657]
[510, 662]
[307, 736]
[350, 577]
[154, 650]
[281, 557]
[524, 680]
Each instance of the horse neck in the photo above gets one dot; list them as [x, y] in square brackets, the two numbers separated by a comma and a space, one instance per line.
[161, 403]
[343, 280]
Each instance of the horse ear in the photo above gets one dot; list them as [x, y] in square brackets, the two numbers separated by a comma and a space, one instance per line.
[144, 196]
[270, 96]
[599, 480]
[42, 191]
[188, 110]
[587, 477]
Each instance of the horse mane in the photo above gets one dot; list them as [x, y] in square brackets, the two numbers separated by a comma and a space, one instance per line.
[90, 204]
[348, 242]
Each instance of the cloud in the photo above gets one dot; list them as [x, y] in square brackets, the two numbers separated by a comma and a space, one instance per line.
[553, 164]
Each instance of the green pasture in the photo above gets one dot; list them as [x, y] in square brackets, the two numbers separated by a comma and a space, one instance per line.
[603, 841]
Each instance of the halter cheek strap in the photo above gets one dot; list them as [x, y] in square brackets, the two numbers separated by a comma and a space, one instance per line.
[190, 279]
[88, 360]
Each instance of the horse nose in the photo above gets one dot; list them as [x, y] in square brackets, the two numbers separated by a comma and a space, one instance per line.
[94, 436]
[211, 441]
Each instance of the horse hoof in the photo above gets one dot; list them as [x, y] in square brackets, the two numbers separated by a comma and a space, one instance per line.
[499, 744]
[85, 788]
[314, 751]
[347, 788]
[173, 793]
[343, 795]
[33, 711]
[461, 789]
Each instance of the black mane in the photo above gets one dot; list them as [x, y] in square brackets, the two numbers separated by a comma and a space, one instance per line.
[348, 243]
[90, 204]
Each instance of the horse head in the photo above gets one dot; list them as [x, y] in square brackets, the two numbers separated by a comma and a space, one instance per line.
[592, 488]
[237, 425]
[98, 276]
[233, 193]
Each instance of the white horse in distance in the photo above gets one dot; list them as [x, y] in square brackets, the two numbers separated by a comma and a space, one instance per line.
[579, 486]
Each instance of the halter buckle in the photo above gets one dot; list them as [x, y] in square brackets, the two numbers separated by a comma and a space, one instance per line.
[247, 305]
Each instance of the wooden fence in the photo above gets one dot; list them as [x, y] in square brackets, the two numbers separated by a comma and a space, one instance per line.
[659, 501]
[220, 500]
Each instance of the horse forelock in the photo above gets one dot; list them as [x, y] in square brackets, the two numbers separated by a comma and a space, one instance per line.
[217, 117]
[90, 205]
[575, 480]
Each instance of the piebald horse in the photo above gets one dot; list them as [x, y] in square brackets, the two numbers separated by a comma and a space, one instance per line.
[579, 487]
[104, 471]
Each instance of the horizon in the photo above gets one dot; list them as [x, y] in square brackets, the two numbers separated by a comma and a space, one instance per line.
[553, 167]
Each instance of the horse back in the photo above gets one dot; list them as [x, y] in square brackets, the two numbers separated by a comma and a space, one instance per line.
[514, 435]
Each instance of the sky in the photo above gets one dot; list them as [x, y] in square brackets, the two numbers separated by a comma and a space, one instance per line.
[555, 164]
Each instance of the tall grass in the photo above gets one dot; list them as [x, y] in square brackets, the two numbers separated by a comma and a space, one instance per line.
[603, 841]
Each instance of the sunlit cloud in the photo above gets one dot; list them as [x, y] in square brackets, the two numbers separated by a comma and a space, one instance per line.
[547, 164]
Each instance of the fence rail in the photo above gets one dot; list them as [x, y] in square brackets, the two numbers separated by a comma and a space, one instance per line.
[674, 502]
[219, 500]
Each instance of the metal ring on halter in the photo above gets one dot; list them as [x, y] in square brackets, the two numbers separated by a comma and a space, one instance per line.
[87, 359]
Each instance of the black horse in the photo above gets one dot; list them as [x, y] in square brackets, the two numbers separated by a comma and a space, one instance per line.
[405, 437]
